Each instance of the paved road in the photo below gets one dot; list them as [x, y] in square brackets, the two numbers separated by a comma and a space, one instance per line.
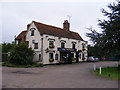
[77, 75]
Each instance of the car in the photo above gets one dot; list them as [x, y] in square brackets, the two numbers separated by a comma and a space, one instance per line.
[92, 59]
[96, 59]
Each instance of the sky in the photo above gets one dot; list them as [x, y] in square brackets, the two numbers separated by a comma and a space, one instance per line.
[15, 15]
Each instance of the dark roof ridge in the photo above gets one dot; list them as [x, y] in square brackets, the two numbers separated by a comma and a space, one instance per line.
[48, 25]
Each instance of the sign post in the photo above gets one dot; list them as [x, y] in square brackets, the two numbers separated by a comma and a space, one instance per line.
[94, 67]
[100, 70]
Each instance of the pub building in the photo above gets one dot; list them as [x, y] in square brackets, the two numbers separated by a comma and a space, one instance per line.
[53, 44]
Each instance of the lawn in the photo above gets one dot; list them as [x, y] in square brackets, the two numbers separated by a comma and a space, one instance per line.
[109, 72]
[0, 63]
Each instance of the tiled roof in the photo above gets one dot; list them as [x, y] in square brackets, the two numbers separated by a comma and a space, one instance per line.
[22, 36]
[51, 30]
[55, 31]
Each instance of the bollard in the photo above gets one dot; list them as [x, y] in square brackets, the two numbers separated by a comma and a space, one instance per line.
[94, 67]
[100, 70]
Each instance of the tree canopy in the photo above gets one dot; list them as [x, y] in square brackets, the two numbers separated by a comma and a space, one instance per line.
[108, 42]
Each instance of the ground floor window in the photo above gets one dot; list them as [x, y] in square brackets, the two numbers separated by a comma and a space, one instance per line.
[56, 56]
[80, 55]
[40, 57]
[72, 55]
[35, 45]
[51, 57]
[83, 56]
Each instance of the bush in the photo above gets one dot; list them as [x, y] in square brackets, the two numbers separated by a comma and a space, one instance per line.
[21, 55]
[19, 66]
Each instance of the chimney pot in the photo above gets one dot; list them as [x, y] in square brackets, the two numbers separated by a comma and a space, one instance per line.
[28, 26]
[66, 25]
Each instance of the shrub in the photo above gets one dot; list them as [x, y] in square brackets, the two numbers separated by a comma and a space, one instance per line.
[21, 55]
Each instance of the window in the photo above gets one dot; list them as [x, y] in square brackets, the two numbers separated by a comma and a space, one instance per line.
[62, 45]
[35, 45]
[83, 45]
[40, 57]
[80, 55]
[32, 32]
[72, 55]
[50, 55]
[51, 42]
[73, 45]
[56, 56]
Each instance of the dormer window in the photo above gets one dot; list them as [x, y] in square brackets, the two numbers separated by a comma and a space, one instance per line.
[32, 31]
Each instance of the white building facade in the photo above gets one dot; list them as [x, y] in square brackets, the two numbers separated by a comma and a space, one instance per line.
[54, 45]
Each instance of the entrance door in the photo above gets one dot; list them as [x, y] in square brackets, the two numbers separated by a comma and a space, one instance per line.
[65, 57]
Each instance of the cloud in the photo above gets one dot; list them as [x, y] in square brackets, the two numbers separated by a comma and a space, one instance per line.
[16, 16]
[56, 1]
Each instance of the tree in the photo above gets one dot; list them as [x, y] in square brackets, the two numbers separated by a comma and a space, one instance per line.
[21, 55]
[6, 47]
[109, 40]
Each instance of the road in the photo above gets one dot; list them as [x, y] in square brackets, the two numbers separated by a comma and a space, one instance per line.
[77, 75]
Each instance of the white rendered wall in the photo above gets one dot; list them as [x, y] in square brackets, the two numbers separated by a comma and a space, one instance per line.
[37, 37]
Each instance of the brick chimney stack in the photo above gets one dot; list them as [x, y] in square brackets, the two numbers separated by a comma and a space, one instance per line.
[66, 25]
[28, 26]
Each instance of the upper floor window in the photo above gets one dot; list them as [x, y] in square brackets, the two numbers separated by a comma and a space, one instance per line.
[35, 45]
[73, 45]
[83, 46]
[32, 31]
[51, 42]
[62, 45]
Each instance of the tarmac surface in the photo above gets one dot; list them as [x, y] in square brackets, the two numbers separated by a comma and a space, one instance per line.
[76, 75]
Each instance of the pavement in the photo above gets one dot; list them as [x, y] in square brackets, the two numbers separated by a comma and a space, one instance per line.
[76, 75]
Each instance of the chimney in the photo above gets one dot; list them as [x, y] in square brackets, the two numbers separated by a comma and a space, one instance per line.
[28, 26]
[66, 25]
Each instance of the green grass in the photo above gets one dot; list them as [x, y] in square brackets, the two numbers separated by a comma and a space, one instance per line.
[0, 63]
[23, 66]
[109, 72]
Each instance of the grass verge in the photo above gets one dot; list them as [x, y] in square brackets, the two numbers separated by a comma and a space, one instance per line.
[109, 72]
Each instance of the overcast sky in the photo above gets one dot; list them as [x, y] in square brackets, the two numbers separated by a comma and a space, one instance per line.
[16, 15]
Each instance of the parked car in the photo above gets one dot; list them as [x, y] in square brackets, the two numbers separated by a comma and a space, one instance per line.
[92, 59]
[96, 59]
